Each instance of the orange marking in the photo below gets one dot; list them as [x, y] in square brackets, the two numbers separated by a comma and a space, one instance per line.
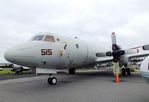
[117, 79]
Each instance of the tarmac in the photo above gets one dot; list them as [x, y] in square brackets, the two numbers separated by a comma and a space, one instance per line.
[82, 87]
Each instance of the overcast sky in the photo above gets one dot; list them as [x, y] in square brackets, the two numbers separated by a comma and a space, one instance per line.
[92, 20]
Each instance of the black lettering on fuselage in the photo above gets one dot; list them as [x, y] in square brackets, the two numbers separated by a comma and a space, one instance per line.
[46, 51]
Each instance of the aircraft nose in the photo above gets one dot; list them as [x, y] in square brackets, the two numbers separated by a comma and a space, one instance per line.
[9, 55]
[22, 55]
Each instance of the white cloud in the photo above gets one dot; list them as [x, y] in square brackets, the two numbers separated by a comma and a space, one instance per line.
[87, 19]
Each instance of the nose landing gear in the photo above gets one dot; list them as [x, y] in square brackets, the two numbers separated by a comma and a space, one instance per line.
[52, 80]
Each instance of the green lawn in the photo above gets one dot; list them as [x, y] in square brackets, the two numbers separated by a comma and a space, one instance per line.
[2, 72]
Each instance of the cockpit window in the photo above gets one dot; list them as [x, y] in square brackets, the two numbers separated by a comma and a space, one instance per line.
[38, 38]
[49, 38]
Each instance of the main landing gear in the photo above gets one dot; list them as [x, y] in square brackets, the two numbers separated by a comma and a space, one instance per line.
[126, 71]
[72, 71]
[52, 80]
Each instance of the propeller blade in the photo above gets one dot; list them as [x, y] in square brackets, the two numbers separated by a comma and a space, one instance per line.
[113, 38]
[116, 50]
[115, 47]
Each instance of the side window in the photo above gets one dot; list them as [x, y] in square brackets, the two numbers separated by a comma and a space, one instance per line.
[58, 39]
[49, 38]
[77, 46]
[38, 38]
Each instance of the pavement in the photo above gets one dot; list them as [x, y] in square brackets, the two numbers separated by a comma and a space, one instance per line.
[14, 76]
[81, 87]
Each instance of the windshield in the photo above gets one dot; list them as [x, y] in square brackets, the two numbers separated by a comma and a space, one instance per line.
[49, 38]
[38, 38]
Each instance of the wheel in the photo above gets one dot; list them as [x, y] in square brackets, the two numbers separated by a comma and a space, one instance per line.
[72, 71]
[52, 80]
[123, 71]
[128, 71]
[17, 72]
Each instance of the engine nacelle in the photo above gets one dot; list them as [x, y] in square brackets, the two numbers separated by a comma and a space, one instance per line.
[145, 47]
[124, 60]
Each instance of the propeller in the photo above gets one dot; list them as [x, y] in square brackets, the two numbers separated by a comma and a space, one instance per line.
[117, 52]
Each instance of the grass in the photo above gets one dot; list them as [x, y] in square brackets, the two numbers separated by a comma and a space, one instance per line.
[7, 71]
[3, 72]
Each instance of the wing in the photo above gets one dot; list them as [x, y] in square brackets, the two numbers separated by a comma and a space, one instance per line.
[128, 55]
[138, 55]
[117, 54]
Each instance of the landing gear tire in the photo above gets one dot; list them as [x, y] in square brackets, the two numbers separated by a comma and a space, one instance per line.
[52, 80]
[128, 71]
[123, 72]
[72, 71]
[17, 72]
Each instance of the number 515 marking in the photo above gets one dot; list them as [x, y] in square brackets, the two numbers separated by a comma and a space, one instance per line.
[46, 51]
